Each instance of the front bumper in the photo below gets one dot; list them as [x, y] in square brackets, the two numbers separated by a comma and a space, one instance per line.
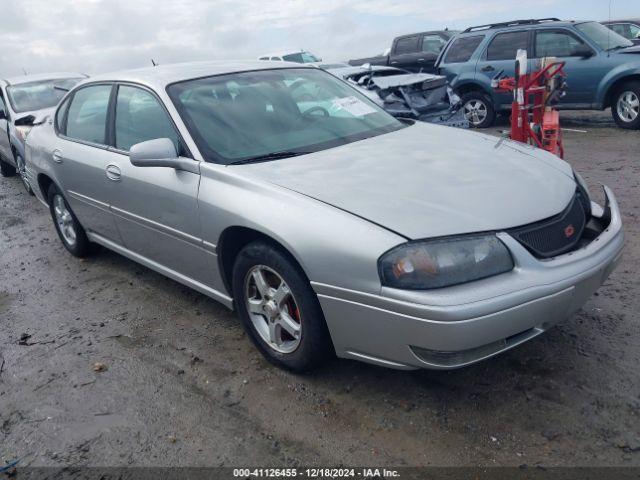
[457, 326]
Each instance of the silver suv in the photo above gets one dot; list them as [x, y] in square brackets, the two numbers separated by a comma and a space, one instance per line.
[329, 225]
[25, 101]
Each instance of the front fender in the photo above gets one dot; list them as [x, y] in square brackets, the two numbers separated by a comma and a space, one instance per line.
[332, 246]
[612, 77]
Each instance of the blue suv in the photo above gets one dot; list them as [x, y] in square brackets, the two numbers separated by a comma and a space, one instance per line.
[603, 68]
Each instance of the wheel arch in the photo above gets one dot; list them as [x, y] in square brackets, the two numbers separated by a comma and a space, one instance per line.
[231, 242]
[613, 88]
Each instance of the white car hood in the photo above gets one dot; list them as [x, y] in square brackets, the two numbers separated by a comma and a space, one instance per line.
[428, 181]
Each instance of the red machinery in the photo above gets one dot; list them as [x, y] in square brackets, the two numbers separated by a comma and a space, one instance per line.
[534, 120]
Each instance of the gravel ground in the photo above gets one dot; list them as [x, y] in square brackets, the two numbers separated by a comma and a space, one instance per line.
[182, 385]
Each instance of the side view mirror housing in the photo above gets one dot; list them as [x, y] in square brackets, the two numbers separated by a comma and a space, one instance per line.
[582, 51]
[160, 152]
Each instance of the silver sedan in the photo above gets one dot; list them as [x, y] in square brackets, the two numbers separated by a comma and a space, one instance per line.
[331, 227]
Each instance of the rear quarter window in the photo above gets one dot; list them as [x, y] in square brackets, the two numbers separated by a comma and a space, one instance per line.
[407, 45]
[462, 49]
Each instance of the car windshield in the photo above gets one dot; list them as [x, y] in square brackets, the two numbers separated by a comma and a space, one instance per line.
[605, 38]
[301, 57]
[32, 96]
[269, 114]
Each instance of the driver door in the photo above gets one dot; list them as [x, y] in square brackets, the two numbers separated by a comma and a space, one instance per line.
[155, 208]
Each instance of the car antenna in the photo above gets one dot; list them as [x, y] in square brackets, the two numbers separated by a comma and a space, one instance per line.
[25, 71]
[153, 62]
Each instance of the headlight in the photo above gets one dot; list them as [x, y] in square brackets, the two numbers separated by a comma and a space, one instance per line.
[22, 132]
[428, 264]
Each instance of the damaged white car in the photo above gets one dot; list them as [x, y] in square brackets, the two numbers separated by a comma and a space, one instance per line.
[419, 96]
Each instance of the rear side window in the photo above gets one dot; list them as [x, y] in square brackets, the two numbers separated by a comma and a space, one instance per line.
[407, 45]
[432, 44]
[140, 117]
[462, 49]
[87, 117]
[505, 46]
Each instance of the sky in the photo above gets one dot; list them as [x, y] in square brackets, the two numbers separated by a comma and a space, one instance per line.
[95, 36]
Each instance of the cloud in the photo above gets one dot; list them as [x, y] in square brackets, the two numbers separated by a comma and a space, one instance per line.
[100, 35]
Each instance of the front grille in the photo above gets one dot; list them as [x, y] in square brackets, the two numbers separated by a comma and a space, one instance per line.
[556, 235]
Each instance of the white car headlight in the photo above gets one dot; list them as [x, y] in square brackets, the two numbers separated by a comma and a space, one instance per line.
[23, 132]
[428, 264]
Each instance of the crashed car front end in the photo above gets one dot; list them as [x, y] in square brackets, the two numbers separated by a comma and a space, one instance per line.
[419, 96]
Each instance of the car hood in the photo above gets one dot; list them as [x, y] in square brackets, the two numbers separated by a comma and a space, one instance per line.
[429, 181]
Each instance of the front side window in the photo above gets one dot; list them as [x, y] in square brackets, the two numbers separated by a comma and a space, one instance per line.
[32, 96]
[87, 116]
[556, 43]
[463, 49]
[505, 46]
[246, 116]
[621, 29]
[140, 117]
[634, 31]
[406, 45]
[301, 57]
[60, 116]
[602, 36]
[432, 44]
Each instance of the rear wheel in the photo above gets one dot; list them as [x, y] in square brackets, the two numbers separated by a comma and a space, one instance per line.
[478, 109]
[279, 309]
[625, 107]
[71, 233]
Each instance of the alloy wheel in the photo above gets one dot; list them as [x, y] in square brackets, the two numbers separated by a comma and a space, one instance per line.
[273, 309]
[628, 106]
[475, 111]
[64, 220]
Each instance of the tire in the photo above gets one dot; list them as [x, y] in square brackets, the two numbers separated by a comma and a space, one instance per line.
[6, 169]
[22, 172]
[312, 347]
[474, 100]
[78, 247]
[625, 106]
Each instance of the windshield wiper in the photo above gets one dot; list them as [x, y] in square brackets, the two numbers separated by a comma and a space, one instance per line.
[267, 156]
[617, 47]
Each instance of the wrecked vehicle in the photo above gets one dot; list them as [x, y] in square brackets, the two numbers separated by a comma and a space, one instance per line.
[419, 96]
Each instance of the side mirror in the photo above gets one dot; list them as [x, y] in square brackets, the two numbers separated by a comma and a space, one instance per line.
[160, 152]
[582, 51]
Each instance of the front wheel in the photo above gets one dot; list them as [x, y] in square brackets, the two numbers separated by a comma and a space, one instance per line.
[279, 309]
[69, 230]
[478, 109]
[625, 107]
[22, 171]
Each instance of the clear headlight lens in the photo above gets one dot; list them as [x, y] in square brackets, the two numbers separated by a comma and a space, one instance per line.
[444, 262]
[23, 132]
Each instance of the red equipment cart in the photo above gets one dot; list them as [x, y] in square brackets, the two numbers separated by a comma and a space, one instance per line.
[534, 120]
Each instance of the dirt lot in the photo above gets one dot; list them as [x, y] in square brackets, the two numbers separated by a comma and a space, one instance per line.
[183, 386]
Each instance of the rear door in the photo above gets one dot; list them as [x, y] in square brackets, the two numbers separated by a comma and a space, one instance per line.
[500, 56]
[583, 74]
[82, 161]
[406, 52]
[155, 208]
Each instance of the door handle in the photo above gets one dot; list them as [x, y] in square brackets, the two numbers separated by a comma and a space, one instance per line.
[57, 156]
[394, 63]
[488, 68]
[421, 59]
[113, 172]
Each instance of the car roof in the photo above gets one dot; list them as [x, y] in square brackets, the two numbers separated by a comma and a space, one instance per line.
[43, 77]
[162, 75]
[447, 31]
[626, 20]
